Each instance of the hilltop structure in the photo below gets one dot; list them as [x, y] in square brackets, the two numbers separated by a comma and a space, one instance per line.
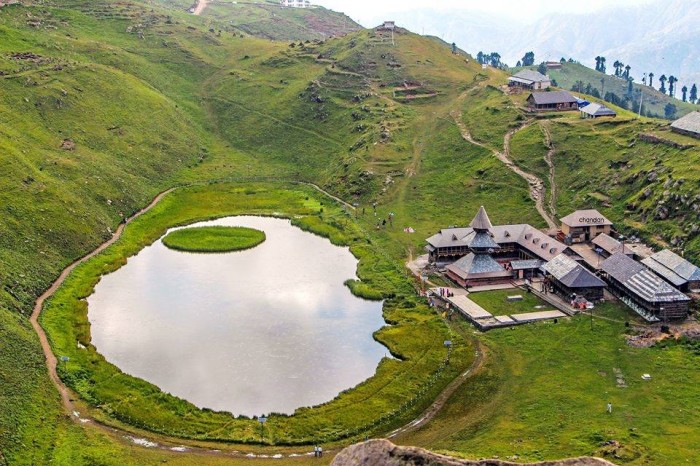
[596, 111]
[530, 79]
[688, 125]
[556, 101]
[296, 3]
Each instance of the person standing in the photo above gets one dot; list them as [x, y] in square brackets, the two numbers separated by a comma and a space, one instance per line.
[609, 408]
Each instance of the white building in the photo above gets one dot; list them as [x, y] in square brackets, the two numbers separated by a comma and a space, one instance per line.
[296, 3]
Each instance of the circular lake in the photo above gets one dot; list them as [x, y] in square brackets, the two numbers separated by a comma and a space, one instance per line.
[269, 329]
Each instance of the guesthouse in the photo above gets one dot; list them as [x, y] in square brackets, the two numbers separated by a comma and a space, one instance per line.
[688, 125]
[642, 290]
[583, 226]
[555, 101]
[529, 79]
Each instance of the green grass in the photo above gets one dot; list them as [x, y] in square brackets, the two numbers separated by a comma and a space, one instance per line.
[543, 393]
[496, 302]
[213, 239]
[415, 337]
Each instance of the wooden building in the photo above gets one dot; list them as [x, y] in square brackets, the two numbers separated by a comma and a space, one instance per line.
[688, 125]
[479, 267]
[595, 110]
[642, 290]
[529, 79]
[606, 246]
[675, 270]
[555, 101]
[583, 226]
[570, 279]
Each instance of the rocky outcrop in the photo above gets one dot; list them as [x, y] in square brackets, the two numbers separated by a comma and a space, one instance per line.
[385, 453]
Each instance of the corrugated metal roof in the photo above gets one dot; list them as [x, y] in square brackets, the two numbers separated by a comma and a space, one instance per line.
[690, 122]
[608, 243]
[585, 218]
[571, 273]
[641, 281]
[598, 110]
[530, 76]
[526, 264]
[554, 97]
[672, 267]
[665, 273]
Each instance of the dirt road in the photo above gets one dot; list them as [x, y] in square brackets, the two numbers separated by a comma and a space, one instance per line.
[199, 8]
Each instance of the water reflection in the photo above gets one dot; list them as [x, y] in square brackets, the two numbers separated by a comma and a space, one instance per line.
[265, 330]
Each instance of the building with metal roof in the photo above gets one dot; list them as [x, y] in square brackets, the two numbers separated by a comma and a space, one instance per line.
[688, 125]
[606, 246]
[595, 110]
[674, 269]
[530, 79]
[642, 290]
[571, 278]
[555, 101]
[583, 226]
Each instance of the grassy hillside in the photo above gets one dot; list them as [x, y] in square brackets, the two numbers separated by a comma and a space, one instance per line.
[105, 104]
[270, 20]
[654, 101]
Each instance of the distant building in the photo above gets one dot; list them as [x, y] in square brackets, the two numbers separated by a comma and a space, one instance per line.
[642, 290]
[388, 25]
[674, 269]
[556, 101]
[688, 125]
[296, 3]
[569, 278]
[596, 111]
[553, 65]
[584, 225]
[529, 79]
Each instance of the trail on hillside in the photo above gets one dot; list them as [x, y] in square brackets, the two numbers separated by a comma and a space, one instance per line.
[537, 187]
[445, 395]
[549, 159]
[199, 8]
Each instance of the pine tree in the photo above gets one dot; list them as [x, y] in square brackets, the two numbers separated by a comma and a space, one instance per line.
[597, 63]
[529, 59]
[662, 80]
[670, 110]
[651, 79]
[627, 71]
[519, 64]
[630, 86]
[694, 93]
[480, 57]
[684, 90]
[454, 48]
[672, 85]
[602, 64]
[542, 68]
[616, 65]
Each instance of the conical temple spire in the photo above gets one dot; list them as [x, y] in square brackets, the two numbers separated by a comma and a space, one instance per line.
[481, 221]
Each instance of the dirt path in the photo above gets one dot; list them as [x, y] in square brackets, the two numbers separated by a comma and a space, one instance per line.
[537, 187]
[549, 159]
[445, 395]
[199, 8]
[51, 360]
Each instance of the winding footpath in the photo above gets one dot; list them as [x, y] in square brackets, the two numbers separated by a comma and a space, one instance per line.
[537, 187]
[549, 159]
[199, 8]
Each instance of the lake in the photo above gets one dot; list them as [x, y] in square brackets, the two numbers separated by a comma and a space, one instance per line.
[269, 329]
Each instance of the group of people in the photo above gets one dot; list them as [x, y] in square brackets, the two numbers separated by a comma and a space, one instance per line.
[445, 292]
[318, 451]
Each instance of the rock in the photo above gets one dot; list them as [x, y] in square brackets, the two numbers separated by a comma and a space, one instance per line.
[652, 176]
[661, 213]
[647, 193]
[385, 453]
[68, 144]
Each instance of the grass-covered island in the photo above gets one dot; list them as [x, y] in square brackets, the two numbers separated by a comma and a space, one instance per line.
[214, 239]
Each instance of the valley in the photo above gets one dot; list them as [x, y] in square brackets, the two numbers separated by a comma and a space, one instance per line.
[120, 120]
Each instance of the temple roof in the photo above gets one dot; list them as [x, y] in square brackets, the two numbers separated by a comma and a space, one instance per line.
[481, 221]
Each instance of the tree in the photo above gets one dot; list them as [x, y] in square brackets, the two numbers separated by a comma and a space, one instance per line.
[672, 80]
[616, 65]
[684, 90]
[519, 64]
[651, 79]
[529, 59]
[669, 110]
[542, 68]
[495, 58]
[694, 93]
[454, 48]
[630, 86]
[627, 71]
[595, 93]
[662, 80]
[597, 63]
[480, 57]
[602, 64]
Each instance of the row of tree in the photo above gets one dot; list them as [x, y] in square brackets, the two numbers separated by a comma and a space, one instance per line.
[623, 71]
